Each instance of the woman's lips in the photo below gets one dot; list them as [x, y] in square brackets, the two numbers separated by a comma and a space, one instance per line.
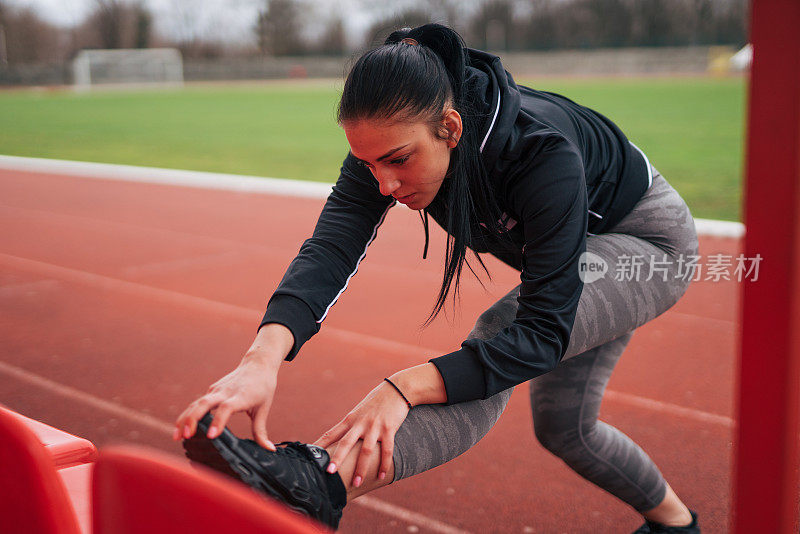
[405, 198]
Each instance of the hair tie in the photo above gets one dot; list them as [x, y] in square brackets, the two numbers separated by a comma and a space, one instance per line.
[400, 392]
[410, 40]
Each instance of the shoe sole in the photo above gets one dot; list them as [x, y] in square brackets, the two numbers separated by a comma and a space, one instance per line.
[232, 461]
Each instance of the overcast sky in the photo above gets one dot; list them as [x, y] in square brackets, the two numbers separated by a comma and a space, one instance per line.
[226, 20]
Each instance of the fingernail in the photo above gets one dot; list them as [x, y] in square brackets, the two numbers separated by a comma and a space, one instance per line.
[331, 467]
[271, 446]
[187, 432]
[382, 475]
[357, 481]
[175, 435]
[212, 432]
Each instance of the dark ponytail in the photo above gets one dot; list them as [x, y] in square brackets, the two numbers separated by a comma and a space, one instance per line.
[414, 82]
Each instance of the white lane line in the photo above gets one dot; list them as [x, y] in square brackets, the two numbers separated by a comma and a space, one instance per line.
[407, 352]
[85, 398]
[91, 222]
[98, 281]
[160, 426]
[236, 182]
[722, 322]
[253, 247]
[241, 313]
[715, 228]
[53, 217]
[154, 175]
[407, 515]
[669, 408]
[226, 242]
[24, 288]
[181, 264]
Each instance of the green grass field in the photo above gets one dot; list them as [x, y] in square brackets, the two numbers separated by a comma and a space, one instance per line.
[690, 128]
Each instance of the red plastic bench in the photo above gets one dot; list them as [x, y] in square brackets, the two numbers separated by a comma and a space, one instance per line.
[33, 498]
[137, 490]
[77, 481]
[67, 450]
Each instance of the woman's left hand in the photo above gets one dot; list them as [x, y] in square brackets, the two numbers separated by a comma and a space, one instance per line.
[375, 419]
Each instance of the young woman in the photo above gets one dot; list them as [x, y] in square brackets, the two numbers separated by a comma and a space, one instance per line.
[551, 188]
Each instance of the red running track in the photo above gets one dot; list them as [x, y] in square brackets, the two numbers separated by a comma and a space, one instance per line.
[122, 302]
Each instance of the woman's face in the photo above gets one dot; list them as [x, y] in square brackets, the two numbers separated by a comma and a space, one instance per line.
[408, 161]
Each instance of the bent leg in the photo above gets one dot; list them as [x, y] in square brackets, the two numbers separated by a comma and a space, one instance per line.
[565, 405]
[647, 255]
[433, 434]
[566, 402]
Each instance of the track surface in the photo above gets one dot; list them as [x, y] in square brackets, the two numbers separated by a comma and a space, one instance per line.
[122, 302]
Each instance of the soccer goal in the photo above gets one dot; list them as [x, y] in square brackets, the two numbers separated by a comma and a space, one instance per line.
[125, 67]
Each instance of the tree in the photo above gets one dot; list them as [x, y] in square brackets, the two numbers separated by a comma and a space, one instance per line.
[3, 49]
[381, 29]
[25, 38]
[278, 29]
[143, 23]
[612, 22]
[730, 24]
[117, 24]
[108, 20]
[492, 27]
[449, 12]
[539, 32]
[653, 23]
[333, 40]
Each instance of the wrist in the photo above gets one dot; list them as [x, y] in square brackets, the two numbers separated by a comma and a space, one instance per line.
[399, 392]
[421, 384]
[272, 344]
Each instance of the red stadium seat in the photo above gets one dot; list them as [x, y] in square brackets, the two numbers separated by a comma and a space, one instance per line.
[67, 450]
[33, 499]
[78, 483]
[137, 490]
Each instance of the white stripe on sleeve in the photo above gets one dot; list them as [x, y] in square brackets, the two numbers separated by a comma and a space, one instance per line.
[363, 255]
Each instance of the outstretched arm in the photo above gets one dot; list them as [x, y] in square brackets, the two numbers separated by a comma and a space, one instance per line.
[321, 271]
[312, 284]
[251, 387]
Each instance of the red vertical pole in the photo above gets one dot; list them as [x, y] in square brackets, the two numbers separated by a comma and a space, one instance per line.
[765, 492]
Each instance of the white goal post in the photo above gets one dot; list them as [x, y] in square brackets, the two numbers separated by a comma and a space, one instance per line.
[139, 66]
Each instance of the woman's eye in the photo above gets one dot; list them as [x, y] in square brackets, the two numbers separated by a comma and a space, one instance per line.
[399, 161]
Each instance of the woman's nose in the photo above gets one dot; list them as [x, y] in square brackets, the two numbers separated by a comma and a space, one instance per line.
[387, 183]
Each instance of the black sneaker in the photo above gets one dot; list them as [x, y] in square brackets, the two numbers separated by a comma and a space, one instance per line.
[294, 474]
[658, 528]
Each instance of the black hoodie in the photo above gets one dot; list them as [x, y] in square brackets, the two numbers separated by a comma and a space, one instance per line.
[560, 171]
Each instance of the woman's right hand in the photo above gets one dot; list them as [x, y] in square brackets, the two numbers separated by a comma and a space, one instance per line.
[250, 388]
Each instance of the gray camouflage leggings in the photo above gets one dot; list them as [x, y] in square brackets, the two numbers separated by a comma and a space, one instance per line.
[608, 312]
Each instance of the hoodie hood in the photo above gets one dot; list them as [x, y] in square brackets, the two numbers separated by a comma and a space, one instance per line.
[495, 95]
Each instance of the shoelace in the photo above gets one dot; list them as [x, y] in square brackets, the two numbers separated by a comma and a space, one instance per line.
[295, 449]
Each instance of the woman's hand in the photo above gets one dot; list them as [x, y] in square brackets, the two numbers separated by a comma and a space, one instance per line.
[375, 419]
[250, 387]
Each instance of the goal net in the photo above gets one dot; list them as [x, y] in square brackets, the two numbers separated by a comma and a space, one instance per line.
[145, 66]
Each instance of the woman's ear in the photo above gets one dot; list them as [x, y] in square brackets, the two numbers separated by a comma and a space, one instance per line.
[452, 121]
